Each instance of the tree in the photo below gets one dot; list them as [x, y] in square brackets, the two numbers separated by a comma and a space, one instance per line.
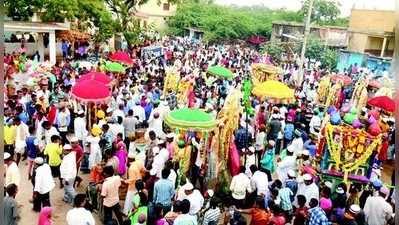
[21, 10]
[226, 22]
[325, 12]
[274, 50]
[329, 59]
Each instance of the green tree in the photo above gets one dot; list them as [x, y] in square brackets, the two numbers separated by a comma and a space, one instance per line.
[329, 59]
[226, 22]
[274, 50]
[21, 10]
[324, 12]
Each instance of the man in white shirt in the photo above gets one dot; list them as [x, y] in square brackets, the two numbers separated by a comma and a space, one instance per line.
[44, 184]
[297, 143]
[240, 185]
[79, 215]
[68, 173]
[288, 163]
[117, 128]
[139, 111]
[315, 122]
[195, 197]
[49, 131]
[79, 125]
[259, 181]
[21, 133]
[308, 188]
[13, 175]
[377, 210]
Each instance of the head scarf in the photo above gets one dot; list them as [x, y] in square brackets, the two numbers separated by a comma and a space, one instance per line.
[44, 216]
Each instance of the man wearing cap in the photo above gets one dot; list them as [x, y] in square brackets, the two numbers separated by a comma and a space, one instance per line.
[79, 126]
[308, 188]
[13, 175]
[68, 173]
[195, 197]
[48, 131]
[78, 151]
[297, 142]
[288, 163]
[377, 210]
[315, 122]
[351, 214]
[43, 184]
[292, 183]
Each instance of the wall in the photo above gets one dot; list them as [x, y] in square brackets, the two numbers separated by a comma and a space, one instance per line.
[372, 20]
[357, 42]
[156, 14]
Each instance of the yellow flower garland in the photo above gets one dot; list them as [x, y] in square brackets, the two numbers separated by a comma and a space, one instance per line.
[336, 148]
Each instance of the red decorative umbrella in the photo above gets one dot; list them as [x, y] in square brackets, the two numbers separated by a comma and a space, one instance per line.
[375, 84]
[345, 79]
[91, 91]
[121, 57]
[97, 76]
[383, 102]
[256, 40]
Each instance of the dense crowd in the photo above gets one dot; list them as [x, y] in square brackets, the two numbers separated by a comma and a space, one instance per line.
[132, 158]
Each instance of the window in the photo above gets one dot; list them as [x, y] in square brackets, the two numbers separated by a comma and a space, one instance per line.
[166, 6]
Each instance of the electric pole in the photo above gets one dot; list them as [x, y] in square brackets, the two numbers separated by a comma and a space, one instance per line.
[305, 39]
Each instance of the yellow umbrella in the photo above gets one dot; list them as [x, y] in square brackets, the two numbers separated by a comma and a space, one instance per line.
[275, 91]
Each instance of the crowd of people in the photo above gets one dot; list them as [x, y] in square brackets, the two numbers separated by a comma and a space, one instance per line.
[129, 159]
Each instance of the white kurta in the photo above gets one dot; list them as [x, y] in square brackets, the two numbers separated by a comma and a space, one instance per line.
[309, 191]
[288, 163]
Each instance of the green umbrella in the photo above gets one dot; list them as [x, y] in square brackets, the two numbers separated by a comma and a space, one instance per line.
[114, 67]
[193, 119]
[220, 72]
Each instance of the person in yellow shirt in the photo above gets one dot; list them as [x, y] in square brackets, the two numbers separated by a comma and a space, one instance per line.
[136, 172]
[10, 135]
[53, 151]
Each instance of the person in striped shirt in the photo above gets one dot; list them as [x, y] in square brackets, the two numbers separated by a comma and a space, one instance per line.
[212, 214]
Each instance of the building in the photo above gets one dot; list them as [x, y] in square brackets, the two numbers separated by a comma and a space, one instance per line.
[372, 32]
[155, 12]
[39, 36]
[293, 32]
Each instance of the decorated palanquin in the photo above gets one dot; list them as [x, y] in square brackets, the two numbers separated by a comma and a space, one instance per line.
[346, 153]
[262, 72]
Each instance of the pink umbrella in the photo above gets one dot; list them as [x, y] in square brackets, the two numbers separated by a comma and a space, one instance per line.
[91, 91]
[121, 57]
[97, 76]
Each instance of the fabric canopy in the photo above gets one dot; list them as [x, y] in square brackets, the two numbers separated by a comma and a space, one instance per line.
[345, 79]
[220, 71]
[114, 67]
[121, 57]
[97, 76]
[91, 91]
[384, 102]
[194, 119]
[274, 91]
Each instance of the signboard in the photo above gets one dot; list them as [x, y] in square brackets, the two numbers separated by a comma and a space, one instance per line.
[152, 51]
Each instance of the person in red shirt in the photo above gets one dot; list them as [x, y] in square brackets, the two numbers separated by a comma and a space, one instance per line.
[278, 216]
[301, 213]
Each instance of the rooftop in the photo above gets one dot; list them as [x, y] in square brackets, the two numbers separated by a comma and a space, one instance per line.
[33, 26]
[296, 24]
